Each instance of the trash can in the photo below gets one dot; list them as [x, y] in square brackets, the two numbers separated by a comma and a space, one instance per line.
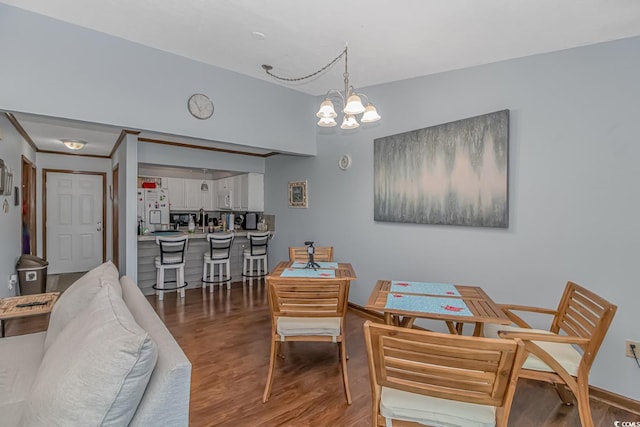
[32, 275]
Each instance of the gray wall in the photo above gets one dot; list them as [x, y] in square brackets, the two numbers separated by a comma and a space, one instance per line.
[12, 148]
[62, 70]
[574, 202]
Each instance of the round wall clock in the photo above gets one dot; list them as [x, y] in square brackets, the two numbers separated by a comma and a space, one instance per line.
[344, 162]
[200, 106]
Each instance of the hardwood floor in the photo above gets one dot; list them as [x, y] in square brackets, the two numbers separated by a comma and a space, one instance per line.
[226, 337]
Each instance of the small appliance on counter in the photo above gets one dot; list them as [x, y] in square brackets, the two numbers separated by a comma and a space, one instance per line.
[250, 221]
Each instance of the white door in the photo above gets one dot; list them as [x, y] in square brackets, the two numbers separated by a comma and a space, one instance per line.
[74, 213]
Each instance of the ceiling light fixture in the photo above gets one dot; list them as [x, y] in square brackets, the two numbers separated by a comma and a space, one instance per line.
[204, 186]
[351, 100]
[74, 144]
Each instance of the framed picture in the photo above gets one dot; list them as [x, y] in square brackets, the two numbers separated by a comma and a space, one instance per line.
[450, 174]
[298, 194]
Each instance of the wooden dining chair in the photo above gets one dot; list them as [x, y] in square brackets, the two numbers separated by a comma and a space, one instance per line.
[308, 310]
[563, 355]
[428, 378]
[320, 254]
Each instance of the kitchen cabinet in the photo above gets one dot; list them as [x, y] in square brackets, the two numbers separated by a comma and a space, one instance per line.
[250, 189]
[245, 191]
[195, 198]
[176, 193]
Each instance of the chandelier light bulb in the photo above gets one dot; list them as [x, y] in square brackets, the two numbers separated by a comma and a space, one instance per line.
[354, 105]
[370, 114]
[326, 110]
[349, 122]
[327, 122]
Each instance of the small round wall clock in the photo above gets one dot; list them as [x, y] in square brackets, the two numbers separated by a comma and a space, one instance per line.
[344, 162]
[200, 106]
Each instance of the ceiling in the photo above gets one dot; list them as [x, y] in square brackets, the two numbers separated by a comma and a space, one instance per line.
[388, 40]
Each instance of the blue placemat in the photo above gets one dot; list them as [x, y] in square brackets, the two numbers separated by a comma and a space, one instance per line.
[426, 288]
[302, 264]
[437, 305]
[309, 272]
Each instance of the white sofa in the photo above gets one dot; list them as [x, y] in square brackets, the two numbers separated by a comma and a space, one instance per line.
[105, 359]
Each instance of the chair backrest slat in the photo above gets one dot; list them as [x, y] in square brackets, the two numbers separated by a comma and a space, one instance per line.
[220, 245]
[320, 253]
[322, 298]
[467, 369]
[258, 242]
[172, 249]
[582, 313]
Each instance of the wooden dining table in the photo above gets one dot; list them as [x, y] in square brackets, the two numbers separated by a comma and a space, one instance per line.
[403, 302]
[296, 271]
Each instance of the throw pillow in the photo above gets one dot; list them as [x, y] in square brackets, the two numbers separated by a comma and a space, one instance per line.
[77, 297]
[97, 370]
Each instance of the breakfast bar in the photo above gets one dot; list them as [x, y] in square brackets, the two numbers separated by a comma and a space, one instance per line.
[196, 247]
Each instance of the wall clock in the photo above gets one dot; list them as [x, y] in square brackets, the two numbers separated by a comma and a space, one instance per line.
[344, 162]
[200, 106]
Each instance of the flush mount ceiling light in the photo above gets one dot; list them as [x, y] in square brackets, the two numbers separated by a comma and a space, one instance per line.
[204, 186]
[351, 101]
[74, 144]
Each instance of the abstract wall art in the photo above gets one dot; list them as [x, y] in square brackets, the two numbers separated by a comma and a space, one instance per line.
[452, 174]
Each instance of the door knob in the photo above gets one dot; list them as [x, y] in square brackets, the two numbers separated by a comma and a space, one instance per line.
[99, 226]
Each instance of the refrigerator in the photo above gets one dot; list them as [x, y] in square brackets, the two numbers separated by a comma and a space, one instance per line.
[153, 207]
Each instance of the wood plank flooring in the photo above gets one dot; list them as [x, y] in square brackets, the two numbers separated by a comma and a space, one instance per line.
[226, 337]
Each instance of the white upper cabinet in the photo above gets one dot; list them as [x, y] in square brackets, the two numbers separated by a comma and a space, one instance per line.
[176, 193]
[195, 198]
[241, 193]
[251, 192]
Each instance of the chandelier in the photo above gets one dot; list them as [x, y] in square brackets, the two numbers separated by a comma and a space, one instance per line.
[350, 100]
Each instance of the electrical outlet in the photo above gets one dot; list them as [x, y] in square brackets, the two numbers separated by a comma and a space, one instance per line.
[636, 348]
[13, 280]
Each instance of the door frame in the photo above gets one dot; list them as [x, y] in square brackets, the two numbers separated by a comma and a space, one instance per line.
[44, 206]
[28, 204]
[115, 206]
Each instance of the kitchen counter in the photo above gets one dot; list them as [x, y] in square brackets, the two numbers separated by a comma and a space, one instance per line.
[198, 234]
[196, 247]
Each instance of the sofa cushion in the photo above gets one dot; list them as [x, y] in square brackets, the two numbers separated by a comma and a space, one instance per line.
[20, 357]
[97, 370]
[77, 296]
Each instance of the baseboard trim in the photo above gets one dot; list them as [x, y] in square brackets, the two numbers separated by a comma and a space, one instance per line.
[605, 396]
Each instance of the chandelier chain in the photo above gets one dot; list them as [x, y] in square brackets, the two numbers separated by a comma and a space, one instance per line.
[268, 69]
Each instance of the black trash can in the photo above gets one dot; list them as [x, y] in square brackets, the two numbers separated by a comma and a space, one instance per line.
[32, 275]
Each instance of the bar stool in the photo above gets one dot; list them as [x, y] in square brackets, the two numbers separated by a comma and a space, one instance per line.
[171, 257]
[218, 254]
[257, 251]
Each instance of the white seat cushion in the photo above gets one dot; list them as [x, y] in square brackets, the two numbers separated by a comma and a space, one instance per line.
[217, 255]
[402, 405]
[170, 261]
[565, 354]
[291, 326]
[96, 372]
[77, 296]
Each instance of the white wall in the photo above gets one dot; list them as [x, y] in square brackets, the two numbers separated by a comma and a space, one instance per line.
[574, 201]
[12, 148]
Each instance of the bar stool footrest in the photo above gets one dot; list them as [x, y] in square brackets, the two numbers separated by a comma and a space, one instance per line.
[173, 288]
[226, 280]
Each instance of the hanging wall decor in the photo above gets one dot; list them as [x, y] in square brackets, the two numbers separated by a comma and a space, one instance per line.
[453, 174]
[298, 194]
